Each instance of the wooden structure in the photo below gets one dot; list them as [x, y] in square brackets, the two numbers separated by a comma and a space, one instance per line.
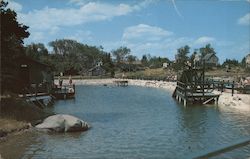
[64, 92]
[40, 99]
[192, 88]
[229, 86]
[122, 83]
[96, 71]
[35, 76]
[35, 82]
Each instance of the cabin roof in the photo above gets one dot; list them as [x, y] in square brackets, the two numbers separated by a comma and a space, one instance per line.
[29, 60]
[93, 68]
[208, 56]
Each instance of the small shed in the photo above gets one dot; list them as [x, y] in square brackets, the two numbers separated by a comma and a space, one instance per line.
[96, 71]
[211, 60]
[165, 65]
[33, 72]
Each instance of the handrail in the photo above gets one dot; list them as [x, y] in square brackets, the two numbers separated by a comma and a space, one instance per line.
[210, 84]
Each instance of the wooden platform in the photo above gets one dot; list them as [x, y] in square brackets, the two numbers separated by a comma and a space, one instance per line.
[192, 98]
[65, 92]
[192, 88]
[122, 83]
[40, 99]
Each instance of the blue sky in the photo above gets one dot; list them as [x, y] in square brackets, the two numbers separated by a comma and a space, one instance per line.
[158, 27]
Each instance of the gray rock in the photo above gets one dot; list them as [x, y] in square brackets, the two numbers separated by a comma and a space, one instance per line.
[63, 123]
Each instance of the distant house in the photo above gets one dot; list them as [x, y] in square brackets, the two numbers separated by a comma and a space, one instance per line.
[248, 61]
[35, 73]
[96, 71]
[197, 60]
[165, 65]
[211, 60]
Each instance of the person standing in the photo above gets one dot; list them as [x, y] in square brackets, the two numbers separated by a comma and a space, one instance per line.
[70, 79]
[60, 79]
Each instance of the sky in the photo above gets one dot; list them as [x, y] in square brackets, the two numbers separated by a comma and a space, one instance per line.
[156, 27]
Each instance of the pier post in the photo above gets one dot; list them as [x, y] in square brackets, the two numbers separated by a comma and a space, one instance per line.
[185, 103]
[179, 99]
[222, 86]
[216, 100]
[233, 89]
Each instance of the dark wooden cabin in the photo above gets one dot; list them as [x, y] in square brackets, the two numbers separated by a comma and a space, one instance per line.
[35, 76]
[96, 71]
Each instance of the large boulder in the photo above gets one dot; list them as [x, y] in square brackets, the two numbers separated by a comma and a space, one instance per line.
[63, 123]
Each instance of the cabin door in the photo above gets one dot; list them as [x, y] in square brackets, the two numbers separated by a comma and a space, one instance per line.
[25, 75]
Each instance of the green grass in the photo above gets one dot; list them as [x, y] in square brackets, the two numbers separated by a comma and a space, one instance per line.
[18, 109]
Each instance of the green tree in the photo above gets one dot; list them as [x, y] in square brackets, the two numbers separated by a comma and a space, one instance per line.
[71, 57]
[157, 62]
[108, 63]
[192, 57]
[144, 60]
[181, 57]
[206, 50]
[230, 63]
[36, 51]
[131, 59]
[12, 35]
[120, 54]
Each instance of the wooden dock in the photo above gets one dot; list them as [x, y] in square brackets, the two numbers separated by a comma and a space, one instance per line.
[64, 92]
[191, 88]
[189, 97]
[121, 83]
[40, 99]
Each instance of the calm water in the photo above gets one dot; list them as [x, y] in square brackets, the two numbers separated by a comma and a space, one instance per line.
[137, 122]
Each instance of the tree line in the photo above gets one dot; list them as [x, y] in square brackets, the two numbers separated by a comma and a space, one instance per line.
[72, 57]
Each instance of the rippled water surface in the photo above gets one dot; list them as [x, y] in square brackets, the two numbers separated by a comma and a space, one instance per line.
[137, 122]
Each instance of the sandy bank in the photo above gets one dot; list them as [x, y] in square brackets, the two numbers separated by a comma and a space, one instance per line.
[11, 126]
[145, 83]
[240, 102]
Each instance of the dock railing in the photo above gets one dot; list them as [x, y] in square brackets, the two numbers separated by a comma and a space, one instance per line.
[222, 85]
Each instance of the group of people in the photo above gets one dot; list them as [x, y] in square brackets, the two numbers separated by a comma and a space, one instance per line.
[61, 80]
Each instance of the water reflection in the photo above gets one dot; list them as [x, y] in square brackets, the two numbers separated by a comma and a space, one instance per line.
[136, 122]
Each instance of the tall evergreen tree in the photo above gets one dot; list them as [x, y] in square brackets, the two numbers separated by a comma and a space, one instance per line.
[12, 36]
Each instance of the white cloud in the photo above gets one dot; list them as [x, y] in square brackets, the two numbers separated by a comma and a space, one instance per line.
[143, 4]
[54, 30]
[79, 2]
[144, 39]
[37, 36]
[145, 32]
[53, 17]
[204, 40]
[47, 17]
[81, 36]
[245, 20]
[15, 6]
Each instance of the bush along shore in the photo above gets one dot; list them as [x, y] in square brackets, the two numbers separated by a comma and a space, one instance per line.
[17, 115]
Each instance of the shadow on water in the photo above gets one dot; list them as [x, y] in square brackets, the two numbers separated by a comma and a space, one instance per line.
[102, 117]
